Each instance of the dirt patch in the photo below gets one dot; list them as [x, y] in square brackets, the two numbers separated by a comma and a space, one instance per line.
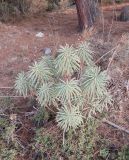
[19, 45]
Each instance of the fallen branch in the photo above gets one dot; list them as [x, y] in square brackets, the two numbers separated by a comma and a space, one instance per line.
[12, 97]
[116, 126]
[6, 87]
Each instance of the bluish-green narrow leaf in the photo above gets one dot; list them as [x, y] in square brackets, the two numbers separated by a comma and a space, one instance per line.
[39, 73]
[93, 82]
[67, 61]
[21, 84]
[85, 54]
[46, 94]
[69, 118]
[68, 91]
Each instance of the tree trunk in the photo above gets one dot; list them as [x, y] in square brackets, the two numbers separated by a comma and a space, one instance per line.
[87, 11]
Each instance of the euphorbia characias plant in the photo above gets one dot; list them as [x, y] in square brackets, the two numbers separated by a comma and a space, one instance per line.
[70, 82]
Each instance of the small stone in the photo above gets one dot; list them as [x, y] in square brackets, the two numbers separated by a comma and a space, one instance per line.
[13, 59]
[47, 51]
[40, 35]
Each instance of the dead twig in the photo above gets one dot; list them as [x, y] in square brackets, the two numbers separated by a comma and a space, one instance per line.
[6, 87]
[113, 56]
[12, 97]
[116, 126]
[106, 54]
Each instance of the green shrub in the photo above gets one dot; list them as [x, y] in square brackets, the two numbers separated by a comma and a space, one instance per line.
[40, 117]
[124, 154]
[71, 83]
[111, 1]
[52, 4]
[7, 154]
[10, 9]
[78, 145]
[104, 152]
[8, 149]
[47, 142]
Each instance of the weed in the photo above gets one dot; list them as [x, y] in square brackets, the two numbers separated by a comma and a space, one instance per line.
[41, 117]
[104, 152]
[124, 154]
[7, 154]
[10, 9]
[45, 144]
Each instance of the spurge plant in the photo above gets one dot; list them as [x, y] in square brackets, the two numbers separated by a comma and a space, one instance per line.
[70, 82]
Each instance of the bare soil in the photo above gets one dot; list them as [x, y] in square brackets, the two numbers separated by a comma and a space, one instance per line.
[19, 45]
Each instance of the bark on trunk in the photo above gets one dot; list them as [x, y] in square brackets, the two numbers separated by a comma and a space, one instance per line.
[87, 11]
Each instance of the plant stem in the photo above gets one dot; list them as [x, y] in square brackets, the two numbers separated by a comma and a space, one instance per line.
[64, 138]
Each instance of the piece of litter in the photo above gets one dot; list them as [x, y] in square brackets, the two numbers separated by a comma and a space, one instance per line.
[40, 34]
